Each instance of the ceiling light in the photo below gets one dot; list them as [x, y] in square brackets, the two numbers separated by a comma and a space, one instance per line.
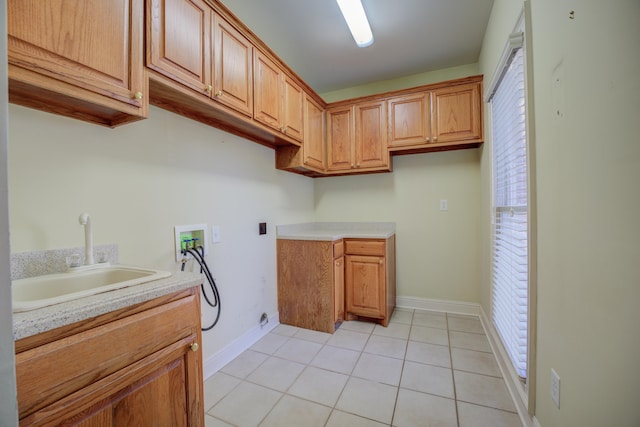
[353, 13]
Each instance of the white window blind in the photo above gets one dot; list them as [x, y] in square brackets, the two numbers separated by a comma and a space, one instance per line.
[510, 211]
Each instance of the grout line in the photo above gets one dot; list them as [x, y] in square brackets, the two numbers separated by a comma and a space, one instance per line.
[453, 378]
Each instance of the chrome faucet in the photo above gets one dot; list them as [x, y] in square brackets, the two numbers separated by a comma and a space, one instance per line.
[85, 220]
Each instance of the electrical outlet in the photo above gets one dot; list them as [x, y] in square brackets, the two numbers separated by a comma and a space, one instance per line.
[444, 205]
[555, 388]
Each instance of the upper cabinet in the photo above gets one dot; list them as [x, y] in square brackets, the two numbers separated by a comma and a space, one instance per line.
[278, 98]
[190, 44]
[441, 118]
[78, 59]
[357, 138]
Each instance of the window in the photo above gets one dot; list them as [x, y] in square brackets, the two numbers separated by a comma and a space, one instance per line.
[510, 258]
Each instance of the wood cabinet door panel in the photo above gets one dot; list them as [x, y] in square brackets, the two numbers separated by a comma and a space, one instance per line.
[179, 42]
[340, 139]
[233, 67]
[456, 113]
[409, 120]
[267, 91]
[314, 141]
[365, 290]
[92, 45]
[293, 113]
[371, 135]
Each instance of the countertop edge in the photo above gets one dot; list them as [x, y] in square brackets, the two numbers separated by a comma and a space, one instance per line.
[29, 323]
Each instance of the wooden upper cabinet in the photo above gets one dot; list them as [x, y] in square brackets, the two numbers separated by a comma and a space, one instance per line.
[457, 113]
[371, 135]
[340, 138]
[278, 98]
[233, 67]
[409, 120]
[179, 41]
[79, 59]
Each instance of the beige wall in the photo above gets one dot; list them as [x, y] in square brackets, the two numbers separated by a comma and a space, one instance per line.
[588, 171]
[139, 181]
[437, 252]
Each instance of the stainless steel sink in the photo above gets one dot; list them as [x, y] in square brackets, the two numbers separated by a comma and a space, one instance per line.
[41, 291]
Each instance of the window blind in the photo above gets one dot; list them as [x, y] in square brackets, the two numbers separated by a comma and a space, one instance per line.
[510, 212]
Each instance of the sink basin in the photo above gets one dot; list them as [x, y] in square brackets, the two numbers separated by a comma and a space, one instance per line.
[41, 291]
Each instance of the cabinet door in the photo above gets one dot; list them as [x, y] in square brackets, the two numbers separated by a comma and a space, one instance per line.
[365, 285]
[233, 68]
[314, 147]
[340, 139]
[179, 42]
[409, 120]
[292, 105]
[456, 113]
[371, 135]
[338, 283]
[267, 91]
[89, 51]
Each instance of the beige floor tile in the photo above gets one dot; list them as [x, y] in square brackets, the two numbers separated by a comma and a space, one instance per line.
[348, 339]
[319, 385]
[469, 341]
[210, 421]
[430, 319]
[428, 379]
[480, 416]
[216, 387]
[382, 369]
[291, 411]
[386, 346]
[336, 359]
[342, 419]
[465, 324]
[429, 335]
[431, 354]
[358, 326]
[424, 410]
[401, 315]
[368, 399]
[286, 330]
[276, 373]
[475, 361]
[244, 364]
[314, 336]
[298, 350]
[394, 330]
[482, 390]
[270, 343]
[246, 405]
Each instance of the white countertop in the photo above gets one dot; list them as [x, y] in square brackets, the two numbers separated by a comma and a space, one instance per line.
[33, 322]
[332, 231]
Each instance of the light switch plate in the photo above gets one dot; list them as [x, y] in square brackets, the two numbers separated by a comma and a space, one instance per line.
[444, 205]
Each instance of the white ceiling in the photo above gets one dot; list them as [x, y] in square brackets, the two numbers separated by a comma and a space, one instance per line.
[411, 36]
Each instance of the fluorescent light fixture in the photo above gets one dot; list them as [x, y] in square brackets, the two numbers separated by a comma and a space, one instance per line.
[353, 13]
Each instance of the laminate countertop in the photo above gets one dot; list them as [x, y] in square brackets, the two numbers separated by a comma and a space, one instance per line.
[28, 323]
[331, 231]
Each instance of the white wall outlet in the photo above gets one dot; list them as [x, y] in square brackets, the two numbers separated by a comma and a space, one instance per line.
[444, 205]
[190, 232]
[555, 388]
[215, 233]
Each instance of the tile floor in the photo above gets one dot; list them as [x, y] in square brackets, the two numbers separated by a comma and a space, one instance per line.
[425, 369]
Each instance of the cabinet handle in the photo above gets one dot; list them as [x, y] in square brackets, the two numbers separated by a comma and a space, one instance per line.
[138, 95]
[427, 139]
[358, 165]
[219, 93]
[435, 138]
[380, 262]
[194, 347]
[352, 165]
[209, 88]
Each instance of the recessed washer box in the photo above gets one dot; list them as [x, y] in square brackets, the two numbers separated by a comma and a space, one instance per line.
[190, 232]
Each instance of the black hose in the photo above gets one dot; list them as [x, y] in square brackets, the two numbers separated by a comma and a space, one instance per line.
[198, 255]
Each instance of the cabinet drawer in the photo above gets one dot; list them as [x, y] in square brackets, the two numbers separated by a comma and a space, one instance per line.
[47, 373]
[365, 247]
[338, 249]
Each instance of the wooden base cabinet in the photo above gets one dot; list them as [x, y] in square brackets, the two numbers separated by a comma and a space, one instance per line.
[370, 286]
[138, 366]
[311, 284]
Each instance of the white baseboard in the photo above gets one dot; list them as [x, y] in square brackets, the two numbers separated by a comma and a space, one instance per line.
[509, 374]
[216, 362]
[458, 307]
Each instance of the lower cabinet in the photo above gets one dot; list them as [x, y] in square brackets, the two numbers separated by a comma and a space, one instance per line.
[138, 366]
[370, 287]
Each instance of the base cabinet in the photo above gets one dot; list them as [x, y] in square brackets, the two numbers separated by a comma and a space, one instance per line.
[138, 366]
